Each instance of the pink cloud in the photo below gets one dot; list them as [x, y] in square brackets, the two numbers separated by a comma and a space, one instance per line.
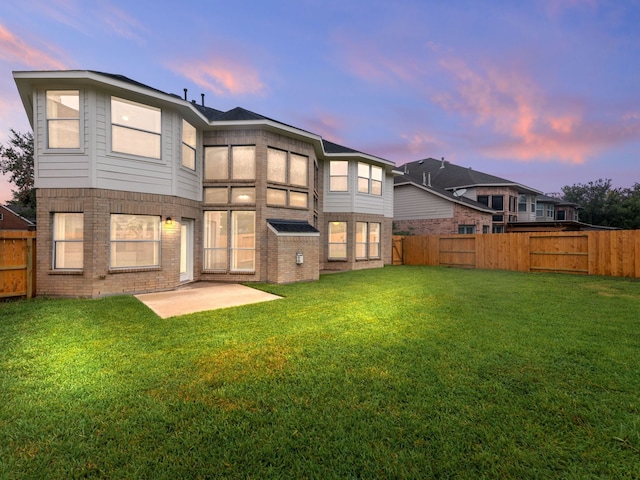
[123, 25]
[326, 125]
[221, 75]
[16, 50]
[528, 125]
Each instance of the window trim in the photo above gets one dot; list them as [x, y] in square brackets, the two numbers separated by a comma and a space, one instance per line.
[113, 124]
[345, 243]
[229, 249]
[331, 176]
[80, 147]
[192, 148]
[229, 172]
[157, 244]
[55, 241]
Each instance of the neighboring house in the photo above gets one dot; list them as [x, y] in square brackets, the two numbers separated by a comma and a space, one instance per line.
[10, 220]
[440, 198]
[139, 190]
[436, 197]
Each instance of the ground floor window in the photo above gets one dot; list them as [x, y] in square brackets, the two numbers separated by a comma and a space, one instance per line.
[337, 240]
[367, 240]
[135, 241]
[230, 241]
[466, 229]
[68, 235]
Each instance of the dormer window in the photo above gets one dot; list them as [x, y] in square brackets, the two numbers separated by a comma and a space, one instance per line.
[135, 128]
[63, 119]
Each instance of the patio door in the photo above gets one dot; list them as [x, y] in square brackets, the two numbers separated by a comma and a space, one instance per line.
[186, 250]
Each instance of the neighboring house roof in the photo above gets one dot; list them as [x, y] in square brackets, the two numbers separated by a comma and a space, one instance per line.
[10, 220]
[556, 201]
[446, 175]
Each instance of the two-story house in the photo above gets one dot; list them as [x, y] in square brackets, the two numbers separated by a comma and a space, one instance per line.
[139, 190]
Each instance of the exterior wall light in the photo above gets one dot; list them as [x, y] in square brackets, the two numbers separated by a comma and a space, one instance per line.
[299, 259]
[169, 221]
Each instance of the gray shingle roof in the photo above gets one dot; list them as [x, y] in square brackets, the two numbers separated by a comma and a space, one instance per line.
[446, 175]
[291, 226]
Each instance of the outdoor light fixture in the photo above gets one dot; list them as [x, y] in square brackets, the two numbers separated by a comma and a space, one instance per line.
[169, 221]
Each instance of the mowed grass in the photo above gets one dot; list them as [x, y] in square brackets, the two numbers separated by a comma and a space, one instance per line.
[401, 372]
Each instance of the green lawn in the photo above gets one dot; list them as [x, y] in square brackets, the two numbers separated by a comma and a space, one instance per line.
[402, 372]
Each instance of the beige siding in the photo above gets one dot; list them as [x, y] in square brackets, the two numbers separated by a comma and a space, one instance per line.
[411, 203]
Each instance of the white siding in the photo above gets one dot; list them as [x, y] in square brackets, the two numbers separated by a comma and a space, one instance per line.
[354, 202]
[412, 203]
[56, 168]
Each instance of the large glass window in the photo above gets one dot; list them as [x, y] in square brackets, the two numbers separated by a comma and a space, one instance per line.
[68, 236]
[337, 240]
[363, 178]
[376, 180]
[216, 163]
[367, 240]
[466, 229]
[338, 176]
[135, 128]
[497, 202]
[298, 170]
[237, 249]
[276, 165]
[135, 241]
[63, 118]
[235, 163]
[215, 240]
[188, 145]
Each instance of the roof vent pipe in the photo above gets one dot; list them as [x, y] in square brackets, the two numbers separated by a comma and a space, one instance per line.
[424, 179]
[202, 95]
[442, 164]
[429, 181]
[185, 93]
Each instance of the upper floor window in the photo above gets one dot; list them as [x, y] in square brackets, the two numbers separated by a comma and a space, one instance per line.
[550, 211]
[135, 128]
[369, 179]
[493, 201]
[286, 167]
[188, 145]
[236, 162]
[539, 209]
[68, 235]
[63, 118]
[522, 203]
[338, 176]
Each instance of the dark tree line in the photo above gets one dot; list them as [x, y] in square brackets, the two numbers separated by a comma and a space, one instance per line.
[599, 203]
[603, 205]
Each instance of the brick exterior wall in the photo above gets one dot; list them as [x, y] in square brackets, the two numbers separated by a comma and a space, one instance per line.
[96, 278]
[282, 258]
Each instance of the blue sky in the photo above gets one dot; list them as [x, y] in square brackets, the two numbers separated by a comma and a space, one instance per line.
[543, 92]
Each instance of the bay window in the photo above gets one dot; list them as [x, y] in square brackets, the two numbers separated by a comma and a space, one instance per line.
[338, 176]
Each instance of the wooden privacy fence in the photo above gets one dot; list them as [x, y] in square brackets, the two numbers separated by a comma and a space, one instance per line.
[612, 253]
[17, 263]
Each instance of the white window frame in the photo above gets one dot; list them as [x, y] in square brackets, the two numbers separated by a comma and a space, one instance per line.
[372, 243]
[333, 166]
[154, 133]
[61, 239]
[189, 145]
[343, 243]
[369, 175]
[232, 249]
[362, 241]
[51, 120]
[115, 242]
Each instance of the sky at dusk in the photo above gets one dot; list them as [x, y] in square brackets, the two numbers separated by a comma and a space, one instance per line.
[542, 92]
